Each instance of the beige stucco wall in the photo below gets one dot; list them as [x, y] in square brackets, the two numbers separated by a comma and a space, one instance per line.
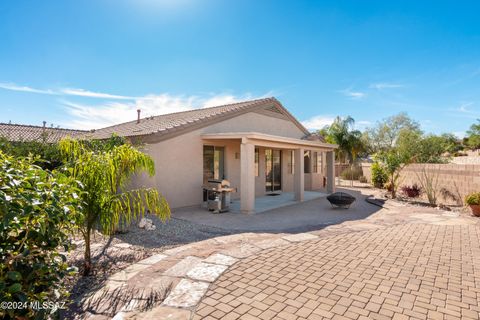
[179, 160]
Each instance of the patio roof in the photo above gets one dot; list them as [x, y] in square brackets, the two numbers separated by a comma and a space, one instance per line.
[270, 140]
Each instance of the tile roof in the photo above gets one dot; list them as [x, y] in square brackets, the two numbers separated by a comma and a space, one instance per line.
[173, 122]
[20, 132]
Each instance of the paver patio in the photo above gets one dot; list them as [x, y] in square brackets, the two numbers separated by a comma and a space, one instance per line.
[398, 262]
[419, 271]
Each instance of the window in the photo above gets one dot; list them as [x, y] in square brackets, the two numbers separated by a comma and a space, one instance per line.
[315, 162]
[291, 162]
[257, 173]
[306, 162]
[213, 163]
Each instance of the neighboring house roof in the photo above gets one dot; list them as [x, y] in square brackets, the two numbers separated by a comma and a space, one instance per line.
[163, 126]
[20, 132]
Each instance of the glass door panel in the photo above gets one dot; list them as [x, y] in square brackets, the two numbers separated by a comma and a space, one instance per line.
[273, 170]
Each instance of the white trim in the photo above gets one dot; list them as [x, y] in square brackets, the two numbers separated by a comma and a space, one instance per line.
[252, 136]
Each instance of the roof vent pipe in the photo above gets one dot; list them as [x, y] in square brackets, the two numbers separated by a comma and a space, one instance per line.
[138, 115]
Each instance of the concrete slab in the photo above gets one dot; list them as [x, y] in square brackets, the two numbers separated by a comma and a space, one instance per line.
[299, 217]
[278, 200]
[186, 294]
[206, 272]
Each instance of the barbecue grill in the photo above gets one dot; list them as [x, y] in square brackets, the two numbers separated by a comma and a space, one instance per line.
[216, 195]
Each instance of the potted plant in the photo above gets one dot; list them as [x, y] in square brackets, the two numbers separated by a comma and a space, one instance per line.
[473, 200]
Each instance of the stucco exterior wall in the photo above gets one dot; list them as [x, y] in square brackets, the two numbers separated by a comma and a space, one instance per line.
[179, 160]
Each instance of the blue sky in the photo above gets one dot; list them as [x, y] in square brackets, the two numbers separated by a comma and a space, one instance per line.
[86, 64]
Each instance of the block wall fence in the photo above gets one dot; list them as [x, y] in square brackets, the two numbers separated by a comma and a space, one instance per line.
[458, 179]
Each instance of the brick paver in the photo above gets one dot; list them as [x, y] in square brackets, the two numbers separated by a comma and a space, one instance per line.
[412, 271]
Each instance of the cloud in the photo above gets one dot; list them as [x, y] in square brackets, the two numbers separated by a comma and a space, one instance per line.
[362, 124]
[318, 122]
[385, 85]
[87, 116]
[91, 94]
[464, 110]
[65, 92]
[460, 134]
[464, 107]
[111, 111]
[354, 95]
[14, 87]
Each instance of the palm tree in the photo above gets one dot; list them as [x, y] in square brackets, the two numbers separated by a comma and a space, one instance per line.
[104, 175]
[349, 141]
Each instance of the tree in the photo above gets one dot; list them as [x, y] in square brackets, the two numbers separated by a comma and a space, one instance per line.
[104, 173]
[349, 141]
[38, 211]
[473, 135]
[385, 134]
[393, 161]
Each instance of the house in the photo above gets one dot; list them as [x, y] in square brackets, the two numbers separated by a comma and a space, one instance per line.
[28, 133]
[257, 145]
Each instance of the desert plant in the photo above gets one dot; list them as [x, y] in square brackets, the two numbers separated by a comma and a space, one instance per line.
[448, 195]
[473, 199]
[104, 174]
[38, 211]
[429, 182]
[412, 191]
[352, 173]
[379, 176]
[393, 161]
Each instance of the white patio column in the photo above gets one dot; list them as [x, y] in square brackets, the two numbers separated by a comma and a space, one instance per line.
[247, 177]
[299, 178]
[330, 171]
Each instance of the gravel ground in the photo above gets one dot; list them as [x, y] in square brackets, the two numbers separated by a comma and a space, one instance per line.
[112, 254]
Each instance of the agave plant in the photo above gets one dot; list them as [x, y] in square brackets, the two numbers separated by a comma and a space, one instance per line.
[104, 175]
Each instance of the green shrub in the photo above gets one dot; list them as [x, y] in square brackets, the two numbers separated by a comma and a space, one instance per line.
[38, 210]
[379, 175]
[352, 173]
[48, 153]
[473, 199]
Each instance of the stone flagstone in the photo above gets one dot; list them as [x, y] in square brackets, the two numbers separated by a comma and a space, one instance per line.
[219, 258]
[153, 259]
[206, 272]
[300, 237]
[128, 272]
[186, 294]
[181, 268]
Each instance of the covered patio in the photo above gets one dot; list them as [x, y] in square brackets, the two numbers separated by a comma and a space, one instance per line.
[248, 141]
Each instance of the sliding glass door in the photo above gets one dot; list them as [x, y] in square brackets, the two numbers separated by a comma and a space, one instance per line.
[273, 170]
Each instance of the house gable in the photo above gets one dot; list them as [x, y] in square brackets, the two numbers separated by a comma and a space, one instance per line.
[269, 107]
